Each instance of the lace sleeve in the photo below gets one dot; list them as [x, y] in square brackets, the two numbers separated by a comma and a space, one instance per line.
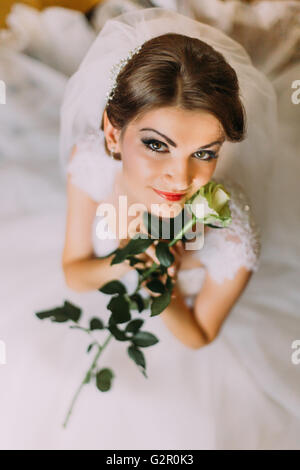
[225, 250]
[91, 169]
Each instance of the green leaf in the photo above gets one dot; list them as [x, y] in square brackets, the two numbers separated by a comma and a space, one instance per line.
[144, 339]
[140, 270]
[134, 325]
[72, 312]
[96, 324]
[61, 314]
[132, 305]
[179, 222]
[155, 285]
[56, 313]
[213, 226]
[163, 270]
[119, 307]
[46, 313]
[138, 245]
[153, 224]
[147, 301]
[164, 254]
[136, 355]
[159, 304]
[147, 272]
[163, 228]
[134, 260]
[113, 287]
[225, 211]
[118, 334]
[119, 257]
[169, 284]
[156, 273]
[90, 347]
[135, 246]
[138, 299]
[104, 379]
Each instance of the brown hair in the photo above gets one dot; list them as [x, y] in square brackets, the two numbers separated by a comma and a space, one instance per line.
[177, 70]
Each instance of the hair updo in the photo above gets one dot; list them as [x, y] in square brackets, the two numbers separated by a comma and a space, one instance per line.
[177, 70]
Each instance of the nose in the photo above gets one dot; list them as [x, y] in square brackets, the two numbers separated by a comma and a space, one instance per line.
[178, 175]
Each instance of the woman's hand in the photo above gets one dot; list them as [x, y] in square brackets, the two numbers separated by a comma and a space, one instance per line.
[149, 257]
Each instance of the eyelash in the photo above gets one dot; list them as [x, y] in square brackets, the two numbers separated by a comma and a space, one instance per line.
[148, 142]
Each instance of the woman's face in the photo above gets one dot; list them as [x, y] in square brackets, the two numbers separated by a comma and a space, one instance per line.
[167, 149]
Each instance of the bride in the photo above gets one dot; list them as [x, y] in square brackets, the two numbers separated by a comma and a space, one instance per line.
[174, 104]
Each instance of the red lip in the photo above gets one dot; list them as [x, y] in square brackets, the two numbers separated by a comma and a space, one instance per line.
[170, 196]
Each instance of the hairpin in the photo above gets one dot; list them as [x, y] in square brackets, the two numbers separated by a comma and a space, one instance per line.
[115, 70]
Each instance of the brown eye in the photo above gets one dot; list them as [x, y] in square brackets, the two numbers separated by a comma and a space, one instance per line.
[202, 153]
[156, 145]
[153, 145]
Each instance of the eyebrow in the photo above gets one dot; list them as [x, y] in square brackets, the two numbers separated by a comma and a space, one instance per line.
[171, 142]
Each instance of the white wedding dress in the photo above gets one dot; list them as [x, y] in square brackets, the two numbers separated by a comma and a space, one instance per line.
[239, 392]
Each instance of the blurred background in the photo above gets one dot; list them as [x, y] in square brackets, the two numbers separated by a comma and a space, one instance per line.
[81, 5]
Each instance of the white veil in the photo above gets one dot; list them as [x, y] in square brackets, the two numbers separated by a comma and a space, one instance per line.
[248, 162]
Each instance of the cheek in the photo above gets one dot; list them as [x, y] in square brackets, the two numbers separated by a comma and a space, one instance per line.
[206, 171]
[138, 167]
[202, 176]
[137, 172]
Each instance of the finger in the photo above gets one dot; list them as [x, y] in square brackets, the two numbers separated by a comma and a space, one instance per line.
[177, 257]
[141, 225]
[150, 292]
[143, 229]
[179, 247]
[151, 252]
[171, 271]
[173, 295]
[175, 266]
[136, 265]
[145, 261]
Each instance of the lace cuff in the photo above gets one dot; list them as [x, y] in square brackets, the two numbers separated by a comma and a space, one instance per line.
[226, 250]
[91, 169]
